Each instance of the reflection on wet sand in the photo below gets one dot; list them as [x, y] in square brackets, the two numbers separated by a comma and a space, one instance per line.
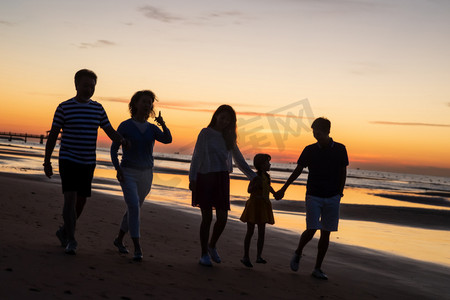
[414, 224]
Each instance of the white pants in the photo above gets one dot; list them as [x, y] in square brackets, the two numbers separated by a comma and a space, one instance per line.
[136, 185]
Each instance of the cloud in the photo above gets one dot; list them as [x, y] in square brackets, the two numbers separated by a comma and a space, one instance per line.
[211, 108]
[115, 99]
[197, 104]
[208, 107]
[409, 124]
[341, 7]
[97, 44]
[159, 14]
[6, 23]
[221, 15]
[244, 110]
[184, 105]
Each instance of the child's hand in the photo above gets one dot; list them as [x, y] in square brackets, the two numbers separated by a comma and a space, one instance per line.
[279, 195]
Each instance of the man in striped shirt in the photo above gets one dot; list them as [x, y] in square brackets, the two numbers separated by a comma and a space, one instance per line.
[79, 119]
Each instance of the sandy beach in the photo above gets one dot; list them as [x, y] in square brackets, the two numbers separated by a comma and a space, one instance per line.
[34, 266]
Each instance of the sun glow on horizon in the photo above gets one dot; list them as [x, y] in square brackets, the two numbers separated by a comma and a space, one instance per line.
[387, 98]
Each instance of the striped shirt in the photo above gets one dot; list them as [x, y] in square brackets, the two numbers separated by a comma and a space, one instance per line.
[79, 123]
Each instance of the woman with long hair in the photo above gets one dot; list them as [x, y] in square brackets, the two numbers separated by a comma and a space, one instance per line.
[209, 177]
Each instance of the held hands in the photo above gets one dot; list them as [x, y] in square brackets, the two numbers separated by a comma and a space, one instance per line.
[279, 195]
[159, 120]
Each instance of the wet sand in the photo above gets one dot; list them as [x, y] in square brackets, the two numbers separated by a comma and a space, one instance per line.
[34, 266]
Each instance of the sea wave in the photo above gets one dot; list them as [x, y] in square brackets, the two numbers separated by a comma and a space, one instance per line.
[28, 158]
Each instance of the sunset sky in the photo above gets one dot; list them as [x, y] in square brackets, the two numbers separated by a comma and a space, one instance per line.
[379, 70]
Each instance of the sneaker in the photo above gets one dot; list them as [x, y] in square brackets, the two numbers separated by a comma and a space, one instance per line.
[247, 262]
[205, 261]
[295, 260]
[319, 274]
[214, 255]
[121, 247]
[138, 256]
[261, 260]
[60, 234]
[71, 248]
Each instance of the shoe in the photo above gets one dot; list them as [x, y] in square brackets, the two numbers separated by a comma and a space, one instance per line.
[71, 247]
[247, 262]
[138, 256]
[319, 274]
[205, 261]
[60, 234]
[214, 255]
[121, 247]
[295, 260]
[261, 260]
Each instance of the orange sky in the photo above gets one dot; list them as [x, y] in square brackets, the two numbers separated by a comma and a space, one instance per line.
[380, 78]
[390, 148]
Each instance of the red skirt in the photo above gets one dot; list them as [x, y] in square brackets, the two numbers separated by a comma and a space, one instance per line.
[212, 191]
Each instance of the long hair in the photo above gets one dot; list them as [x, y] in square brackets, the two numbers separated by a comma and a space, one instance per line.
[229, 133]
[135, 99]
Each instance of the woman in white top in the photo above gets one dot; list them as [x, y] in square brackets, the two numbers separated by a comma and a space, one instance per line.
[209, 176]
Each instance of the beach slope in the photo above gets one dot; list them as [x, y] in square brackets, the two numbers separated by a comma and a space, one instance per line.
[34, 266]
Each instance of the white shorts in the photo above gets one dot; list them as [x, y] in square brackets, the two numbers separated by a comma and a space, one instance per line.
[322, 213]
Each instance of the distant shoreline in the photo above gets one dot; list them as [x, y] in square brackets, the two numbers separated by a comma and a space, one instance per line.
[429, 185]
[289, 167]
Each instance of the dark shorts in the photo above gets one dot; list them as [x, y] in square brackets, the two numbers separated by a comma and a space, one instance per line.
[76, 177]
[212, 190]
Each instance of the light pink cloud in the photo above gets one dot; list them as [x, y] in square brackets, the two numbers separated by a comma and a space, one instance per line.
[96, 44]
[409, 124]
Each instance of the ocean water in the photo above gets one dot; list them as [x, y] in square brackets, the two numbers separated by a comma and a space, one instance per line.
[401, 214]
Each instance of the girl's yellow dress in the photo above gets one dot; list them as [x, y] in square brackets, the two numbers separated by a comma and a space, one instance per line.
[258, 208]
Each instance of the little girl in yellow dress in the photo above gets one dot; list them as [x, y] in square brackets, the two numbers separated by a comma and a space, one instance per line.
[258, 208]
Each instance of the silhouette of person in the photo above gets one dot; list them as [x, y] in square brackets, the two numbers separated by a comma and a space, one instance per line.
[135, 172]
[79, 119]
[327, 163]
[258, 208]
[209, 176]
